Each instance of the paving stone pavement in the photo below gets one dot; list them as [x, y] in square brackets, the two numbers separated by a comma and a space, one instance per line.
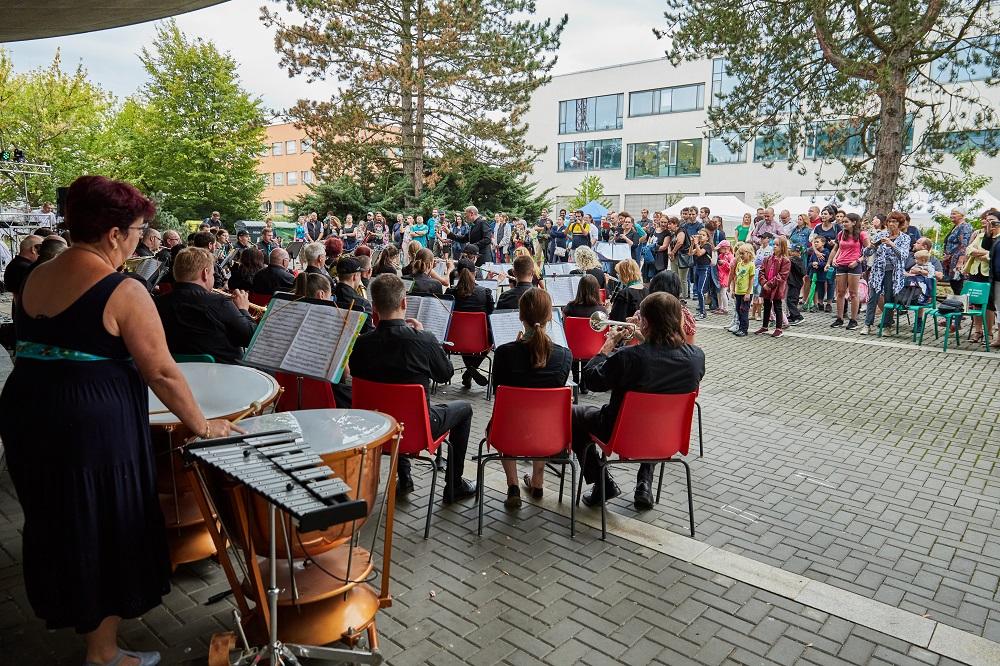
[838, 468]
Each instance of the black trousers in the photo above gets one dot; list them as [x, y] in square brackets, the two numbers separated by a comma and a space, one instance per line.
[587, 421]
[455, 416]
[792, 297]
[473, 361]
[768, 304]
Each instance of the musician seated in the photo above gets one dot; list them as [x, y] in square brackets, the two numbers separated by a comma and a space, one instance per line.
[19, 267]
[387, 262]
[536, 273]
[346, 291]
[243, 240]
[251, 262]
[470, 297]
[206, 240]
[662, 363]
[524, 273]
[334, 247]
[267, 242]
[532, 361]
[197, 320]
[366, 269]
[276, 277]
[399, 351]
[468, 258]
[150, 243]
[626, 301]
[426, 282]
[588, 263]
[313, 256]
[587, 300]
[312, 285]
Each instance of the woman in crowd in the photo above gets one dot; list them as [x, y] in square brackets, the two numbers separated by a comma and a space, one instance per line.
[312, 285]
[459, 228]
[956, 244]
[89, 340]
[587, 263]
[889, 250]
[426, 282]
[251, 263]
[977, 269]
[627, 300]
[387, 262]
[532, 361]
[701, 251]
[334, 247]
[846, 260]
[744, 229]
[349, 233]
[411, 252]
[773, 279]
[666, 281]
[332, 226]
[470, 297]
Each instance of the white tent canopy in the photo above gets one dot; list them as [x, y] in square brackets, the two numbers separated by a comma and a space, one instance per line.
[729, 208]
[922, 208]
[796, 205]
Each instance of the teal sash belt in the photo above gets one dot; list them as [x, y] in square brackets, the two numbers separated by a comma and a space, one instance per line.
[41, 352]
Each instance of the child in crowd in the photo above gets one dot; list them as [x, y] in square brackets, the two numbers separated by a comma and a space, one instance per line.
[921, 276]
[765, 251]
[816, 264]
[741, 281]
[724, 266]
[773, 279]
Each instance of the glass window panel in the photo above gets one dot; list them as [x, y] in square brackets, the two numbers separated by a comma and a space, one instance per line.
[974, 62]
[279, 178]
[607, 112]
[666, 101]
[591, 115]
[772, 147]
[276, 148]
[611, 154]
[279, 207]
[686, 98]
[723, 82]
[290, 147]
[689, 157]
[665, 158]
[641, 103]
[719, 151]
[292, 178]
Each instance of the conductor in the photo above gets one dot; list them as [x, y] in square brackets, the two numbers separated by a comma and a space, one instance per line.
[480, 234]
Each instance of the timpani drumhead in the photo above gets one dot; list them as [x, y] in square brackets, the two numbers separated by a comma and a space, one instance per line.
[326, 430]
[220, 390]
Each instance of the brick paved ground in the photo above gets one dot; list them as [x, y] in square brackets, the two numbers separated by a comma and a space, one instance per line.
[852, 480]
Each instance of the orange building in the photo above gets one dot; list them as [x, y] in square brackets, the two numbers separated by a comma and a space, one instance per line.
[286, 166]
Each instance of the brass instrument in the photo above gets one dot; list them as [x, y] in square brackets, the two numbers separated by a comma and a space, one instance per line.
[599, 322]
[256, 311]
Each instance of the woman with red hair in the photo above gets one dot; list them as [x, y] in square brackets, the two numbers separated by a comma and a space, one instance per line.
[89, 341]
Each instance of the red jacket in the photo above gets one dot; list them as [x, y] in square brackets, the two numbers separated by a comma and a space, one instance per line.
[777, 287]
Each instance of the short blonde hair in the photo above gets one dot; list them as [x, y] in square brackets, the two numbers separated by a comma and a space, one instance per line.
[628, 271]
[922, 254]
[585, 258]
[746, 250]
[190, 262]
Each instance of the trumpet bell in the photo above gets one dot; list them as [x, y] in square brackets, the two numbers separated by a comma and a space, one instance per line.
[598, 320]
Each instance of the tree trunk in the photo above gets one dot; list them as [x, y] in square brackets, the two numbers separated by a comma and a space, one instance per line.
[406, 93]
[888, 145]
[418, 118]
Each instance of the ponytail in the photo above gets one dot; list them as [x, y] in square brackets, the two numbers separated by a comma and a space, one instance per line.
[540, 346]
[535, 309]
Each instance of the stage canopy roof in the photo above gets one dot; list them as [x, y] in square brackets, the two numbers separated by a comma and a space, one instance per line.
[36, 19]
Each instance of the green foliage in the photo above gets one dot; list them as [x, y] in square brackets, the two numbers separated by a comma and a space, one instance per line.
[193, 132]
[590, 189]
[673, 197]
[417, 80]
[767, 199]
[955, 188]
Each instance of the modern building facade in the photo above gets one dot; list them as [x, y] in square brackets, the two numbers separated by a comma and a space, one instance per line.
[642, 127]
[286, 164]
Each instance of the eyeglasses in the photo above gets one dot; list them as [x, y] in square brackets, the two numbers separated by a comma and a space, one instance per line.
[141, 227]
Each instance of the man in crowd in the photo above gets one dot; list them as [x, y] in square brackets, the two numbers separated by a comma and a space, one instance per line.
[524, 272]
[346, 292]
[690, 224]
[171, 239]
[662, 363]
[243, 240]
[276, 277]
[206, 240]
[267, 242]
[150, 243]
[924, 243]
[20, 266]
[767, 224]
[198, 321]
[314, 229]
[814, 218]
[480, 234]
[786, 223]
[399, 351]
[213, 220]
[313, 256]
[704, 215]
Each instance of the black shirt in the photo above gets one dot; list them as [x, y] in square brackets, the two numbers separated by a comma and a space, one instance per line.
[598, 273]
[627, 302]
[394, 353]
[198, 321]
[143, 251]
[509, 299]
[272, 279]
[480, 300]
[424, 284]
[584, 311]
[13, 276]
[240, 280]
[512, 367]
[349, 299]
[646, 368]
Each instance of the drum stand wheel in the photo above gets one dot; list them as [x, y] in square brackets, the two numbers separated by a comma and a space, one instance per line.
[286, 654]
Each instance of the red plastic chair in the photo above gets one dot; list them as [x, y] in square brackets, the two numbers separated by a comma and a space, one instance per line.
[584, 342]
[642, 440]
[164, 288]
[407, 403]
[259, 299]
[470, 335]
[604, 295]
[303, 393]
[549, 438]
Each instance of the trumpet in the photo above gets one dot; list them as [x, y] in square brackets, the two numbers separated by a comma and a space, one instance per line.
[256, 311]
[599, 321]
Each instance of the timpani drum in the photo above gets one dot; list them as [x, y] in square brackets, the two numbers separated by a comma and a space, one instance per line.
[321, 575]
[221, 391]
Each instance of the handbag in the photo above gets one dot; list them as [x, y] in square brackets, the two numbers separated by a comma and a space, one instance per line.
[560, 251]
[685, 260]
[951, 305]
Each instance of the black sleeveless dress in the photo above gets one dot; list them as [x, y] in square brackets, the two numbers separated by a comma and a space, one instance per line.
[94, 543]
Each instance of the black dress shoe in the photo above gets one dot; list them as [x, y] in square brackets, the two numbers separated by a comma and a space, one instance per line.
[513, 500]
[404, 484]
[466, 380]
[479, 377]
[643, 496]
[462, 490]
[611, 491]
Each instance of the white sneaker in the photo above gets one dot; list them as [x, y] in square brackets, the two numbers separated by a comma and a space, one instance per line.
[733, 328]
[866, 330]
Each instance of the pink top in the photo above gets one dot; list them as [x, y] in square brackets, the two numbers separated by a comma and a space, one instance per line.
[850, 249]
[725, 267]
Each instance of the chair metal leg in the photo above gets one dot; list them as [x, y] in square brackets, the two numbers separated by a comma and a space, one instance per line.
[489, 379]
[572, 505]
[687, 472]
[480, 465]
[604, 514]
[583, 465]
[562, 481]
[701, 438]
[430, 500]
[659, 486]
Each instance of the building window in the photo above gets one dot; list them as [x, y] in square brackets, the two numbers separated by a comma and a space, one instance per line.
[843, 139]
[279, 207]
[723, 83]
[663, 159]
[720, 151]
[590, 155]
[666, 100]
[953, 142]
[290, 147]
[591, 114]
[276, 148]
[307, 145]
[279, 178]
[292, 178]
[773, 146]
[307, 177]
[973, 60]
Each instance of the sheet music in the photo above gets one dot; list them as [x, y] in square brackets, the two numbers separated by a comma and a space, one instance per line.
[506, 325]
[302, 338]
[557, 269]
[441, 267]
[496, 269]
[407, 285]
[229, 258]
[433, 312]
[562, 288]
[613, 251]
[488, 284]
[148, 268]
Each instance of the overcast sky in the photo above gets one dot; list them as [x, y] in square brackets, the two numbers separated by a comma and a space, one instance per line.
[599, 33]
